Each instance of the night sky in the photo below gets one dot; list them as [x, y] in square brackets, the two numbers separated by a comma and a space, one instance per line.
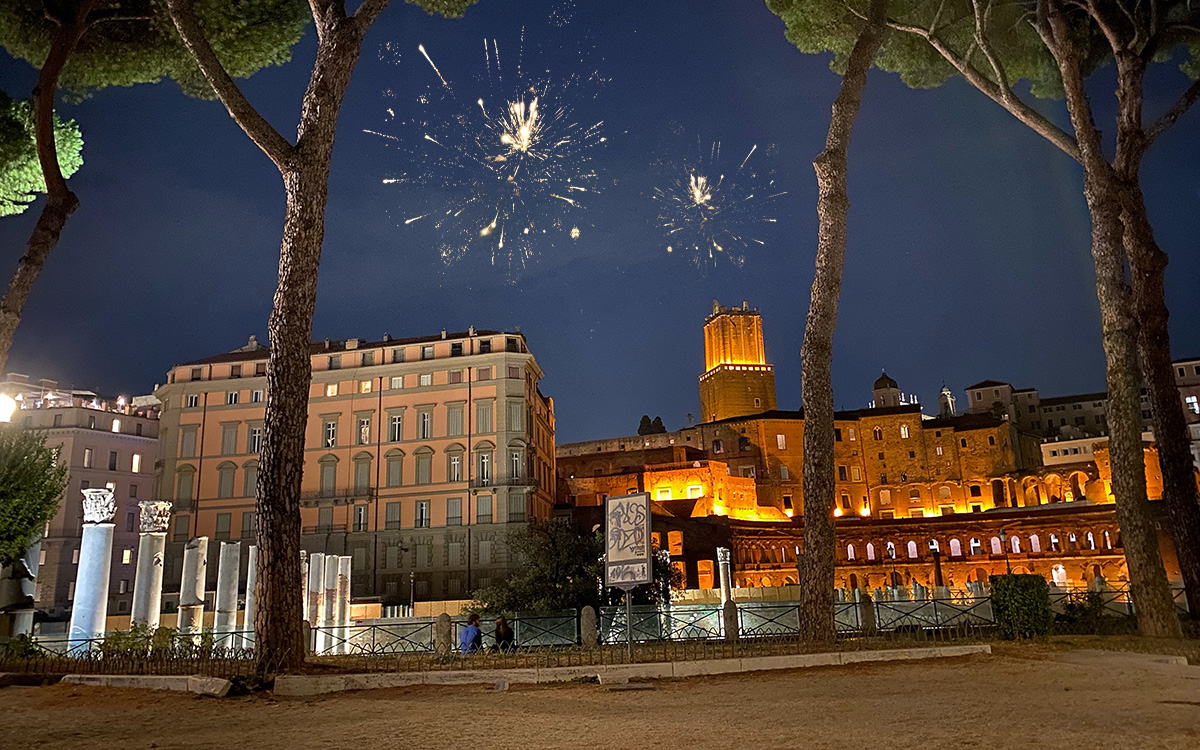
[968, 255]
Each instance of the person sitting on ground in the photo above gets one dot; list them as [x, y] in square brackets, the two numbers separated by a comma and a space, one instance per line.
[505, 638]
[470, 638]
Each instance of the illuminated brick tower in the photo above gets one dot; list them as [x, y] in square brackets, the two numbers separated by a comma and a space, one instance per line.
[737, 379]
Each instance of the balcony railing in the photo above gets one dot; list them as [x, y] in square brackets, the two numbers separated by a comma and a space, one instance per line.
[331, 528]
[338, 496]
[505, 482]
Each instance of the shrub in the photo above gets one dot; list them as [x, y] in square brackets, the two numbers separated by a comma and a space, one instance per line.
[1022, 606]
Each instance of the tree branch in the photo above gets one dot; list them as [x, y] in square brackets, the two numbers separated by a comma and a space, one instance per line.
[1013, 104]
[369, 11]
[981, 19]
[1168, 118]
[267, 138]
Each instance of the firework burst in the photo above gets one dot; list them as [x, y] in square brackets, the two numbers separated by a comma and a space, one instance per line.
[500, 161]
[712, 210]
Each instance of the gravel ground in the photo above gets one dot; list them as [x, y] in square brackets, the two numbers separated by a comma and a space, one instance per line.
[1017, 698]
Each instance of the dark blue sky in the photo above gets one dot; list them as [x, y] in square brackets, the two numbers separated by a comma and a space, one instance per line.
[968, 255]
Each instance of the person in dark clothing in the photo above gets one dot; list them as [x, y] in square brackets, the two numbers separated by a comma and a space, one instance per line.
[505, 639]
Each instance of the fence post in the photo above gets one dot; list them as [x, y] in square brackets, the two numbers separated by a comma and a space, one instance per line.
[866, 615]
[443, 635]
[729, 618]
[588, 636]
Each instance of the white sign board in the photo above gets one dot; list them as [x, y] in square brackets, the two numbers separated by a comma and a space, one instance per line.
[627, 548]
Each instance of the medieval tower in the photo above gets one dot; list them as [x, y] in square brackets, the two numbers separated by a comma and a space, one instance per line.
[737, 380]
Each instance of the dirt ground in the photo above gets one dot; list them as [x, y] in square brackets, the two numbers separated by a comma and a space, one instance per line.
[1015, 698]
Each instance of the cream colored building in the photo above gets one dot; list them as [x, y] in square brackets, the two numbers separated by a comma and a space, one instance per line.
[421, 454]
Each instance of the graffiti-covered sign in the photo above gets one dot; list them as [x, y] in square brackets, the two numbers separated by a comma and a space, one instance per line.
[627, 549]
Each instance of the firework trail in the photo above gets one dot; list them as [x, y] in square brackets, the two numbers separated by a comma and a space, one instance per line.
[711, 209]
[500, 159]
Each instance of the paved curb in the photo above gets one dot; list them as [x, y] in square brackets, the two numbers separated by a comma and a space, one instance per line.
[212, 686]
[302, 685]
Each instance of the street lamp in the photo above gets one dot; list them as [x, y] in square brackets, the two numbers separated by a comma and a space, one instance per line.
[412, 594]
[1004, 546]
[7, 406]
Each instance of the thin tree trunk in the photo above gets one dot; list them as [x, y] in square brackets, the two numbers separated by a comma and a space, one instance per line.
[816, 354]
[60, 201]
[1148, 262]
[1147, 578]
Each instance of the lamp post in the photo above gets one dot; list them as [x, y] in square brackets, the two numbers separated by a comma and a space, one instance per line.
[412, 594]
[1004, 546]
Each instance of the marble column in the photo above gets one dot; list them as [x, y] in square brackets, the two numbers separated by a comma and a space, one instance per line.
[723, 563]
[191, 586]
[329, 623]
[152, 544]
[251, 597]
[89, 609]
[228, 569]
[316, 596]
[342, 613]
[304, 584]
[27, 577]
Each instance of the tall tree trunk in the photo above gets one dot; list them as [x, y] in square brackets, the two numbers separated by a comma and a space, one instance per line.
[1148, 263]
[60, 201]
[816, 354]
[278, 624]
[1147, 578]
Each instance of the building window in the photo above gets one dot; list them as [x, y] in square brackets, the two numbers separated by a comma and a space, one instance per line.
[254, 440]
[396, 383]
[364, 386]
[197, 373]
[516, 464]
[360, 518]
[962, 442]
[397, 356]
[112, 460]
[250, 479]
[514, 372]
[362, 473]
[877, 433]
[229, 439]
[331, 390]
[694, 491]
[395, 469]
[718, 446]
[422, 515]
[483, 416]
[425, 423]
[783, 473]
[837, 434]
[249, 524]
[841, 473]
[976, 491]
[483, 509]
[904, 431]
[223, 522]
[225, 473]
[454, 467]
[1193, 404]
[136, 464]
[183, 483]
[133, 491]
[663, 493]
[454, 511]
[126, 557]
[427, 352]
[330, 434]
[454, 420]
[938, 450]
[364, 430]
[516, 507]
[396, 428]
[484, 466]
[485, 373]
[781, 442]
[256, 396]
[182, 524]
[425, 468]
[454, 376]
[392, 521]
[116, 425]
[328, 476]
[855, 474]
[516, 421]
[91, 422]
[991, 439]
[88, 458]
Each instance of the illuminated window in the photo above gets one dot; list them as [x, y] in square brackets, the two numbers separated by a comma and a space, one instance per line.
[912, 550]
[904, 431]
[849, 551]
[254, 440]
[331, 434]
[364, 430]
[663, 493]
[976, 546]
[675, 543]
[938, 450]
[877, 433]
[781, 442]
[1193, 404]
[331, 390]
[694, 491]
[126, 556]
[364, 386]
[855, 474]
[116, 426]
[853, 434]
[137, 463]
[396, 428]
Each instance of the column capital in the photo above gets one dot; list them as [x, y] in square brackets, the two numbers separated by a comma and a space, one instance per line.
[98, 505]
[155, 516]
[723, 555]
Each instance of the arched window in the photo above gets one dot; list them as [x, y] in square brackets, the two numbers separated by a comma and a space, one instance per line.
[516, 463]
[1091, 541]
[877, 433]
[976, 546]
[870, 551]
[955, 548]
[249, 479]
[484, 457]
[362, 472]
[976, 491]
[394, 465]
[1054, 545]
[1016, 545]
[185, 481]
[424, 472]
[914, 494]
[996, 548]
[912, 550]
[454, 462]
[944, 492]
[885, 497]
[328, 475]
[1107, 541]
[225, 473]
[1072, 542]
[849, 551]
[1035, 543]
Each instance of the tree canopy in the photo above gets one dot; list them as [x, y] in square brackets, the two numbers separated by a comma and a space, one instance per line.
[20, 174]
[559, 569]
[31, 482]
[1004, 48]
[135, 41]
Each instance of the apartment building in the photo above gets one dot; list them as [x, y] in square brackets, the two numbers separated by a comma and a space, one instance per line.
[421, 454]
[109, 443]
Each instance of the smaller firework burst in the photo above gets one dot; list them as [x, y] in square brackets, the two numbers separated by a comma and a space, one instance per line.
[714, 211]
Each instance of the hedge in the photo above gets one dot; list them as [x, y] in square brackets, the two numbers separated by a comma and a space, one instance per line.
[1022, 606]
